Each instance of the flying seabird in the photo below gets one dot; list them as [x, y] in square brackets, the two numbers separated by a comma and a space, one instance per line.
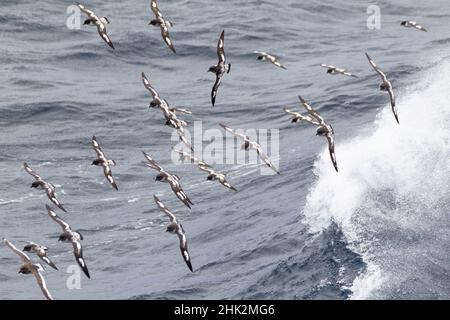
[385, 86]
[74, 237]
[334, 70]
[264, 56]
[220, 68]
[176, 228]
[40, 251]
[172, 179]
[169, 114]
[104, 162]
[324, 130]
[297, 117]
[412, 24]
[100, 23]
[248, 144]
[163, 24]
[28, 267]
[41, 183]
[212, 174]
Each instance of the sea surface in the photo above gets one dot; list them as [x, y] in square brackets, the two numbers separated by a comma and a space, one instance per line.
[378, 229]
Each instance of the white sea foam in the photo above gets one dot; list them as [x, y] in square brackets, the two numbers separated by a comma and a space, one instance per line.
[392, 181]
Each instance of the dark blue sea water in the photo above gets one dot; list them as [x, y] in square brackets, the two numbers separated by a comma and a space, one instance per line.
[378, 229]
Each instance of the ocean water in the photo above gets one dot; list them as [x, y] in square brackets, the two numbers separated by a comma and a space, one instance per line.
[378, 229]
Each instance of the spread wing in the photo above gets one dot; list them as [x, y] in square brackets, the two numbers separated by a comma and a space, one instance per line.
[176, 188]
[220, 48]
[184, 140]
[278, 64]
[234, 132]
[331, 149]
[166, 37]
[41, 282]
[266, 159]
[227, 184]
[375, 67]
[392, 97]
[184, 247]
[155, 9]
[215, 87]
[164, 209]
[64, 225]
[311, 111]
[108, 174]
[152, 163]
[49, 190]
[149, 87]
[180, 111]
[98, 149]
[90, 13]
[101, 28]
[327, 66]
[78, 253]
[48, 261]
[23, 256]
[32, 172]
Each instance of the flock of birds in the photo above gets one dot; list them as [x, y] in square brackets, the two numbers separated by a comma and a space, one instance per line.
[172, 120]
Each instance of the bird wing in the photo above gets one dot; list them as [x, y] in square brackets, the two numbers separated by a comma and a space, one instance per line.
[152, 163]
[166, 37]
[392, 97]
[215, 87]
[64, 225]
[155, 9]
[176, 188]
[311, 111]
[23, 256]
[164, 209]
[108, 174]
[78, 253]
[232, 131]
[98, 150]
[149, 87]
[101, 28]
[41, 282]
[49, 190]
[265, 158]
[184, 247]
[375, 67]
[220, 48]
[90, 13]
[32, 172]
[331, 149]
[184, 140]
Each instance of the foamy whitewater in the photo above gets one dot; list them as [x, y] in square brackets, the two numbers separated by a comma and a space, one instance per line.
[391, 196]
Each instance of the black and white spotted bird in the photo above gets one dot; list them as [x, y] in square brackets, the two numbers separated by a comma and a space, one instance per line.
[99, 22]
[162, 23]
[324, 130]
[412, 24]
[220, 68]
[42, 184]
[28, 267]
[176, 228]
[385, 86]
[74, 237]
[104, 162]
[213, 175]
[171, 179]
[40, 251]
[249, 144]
